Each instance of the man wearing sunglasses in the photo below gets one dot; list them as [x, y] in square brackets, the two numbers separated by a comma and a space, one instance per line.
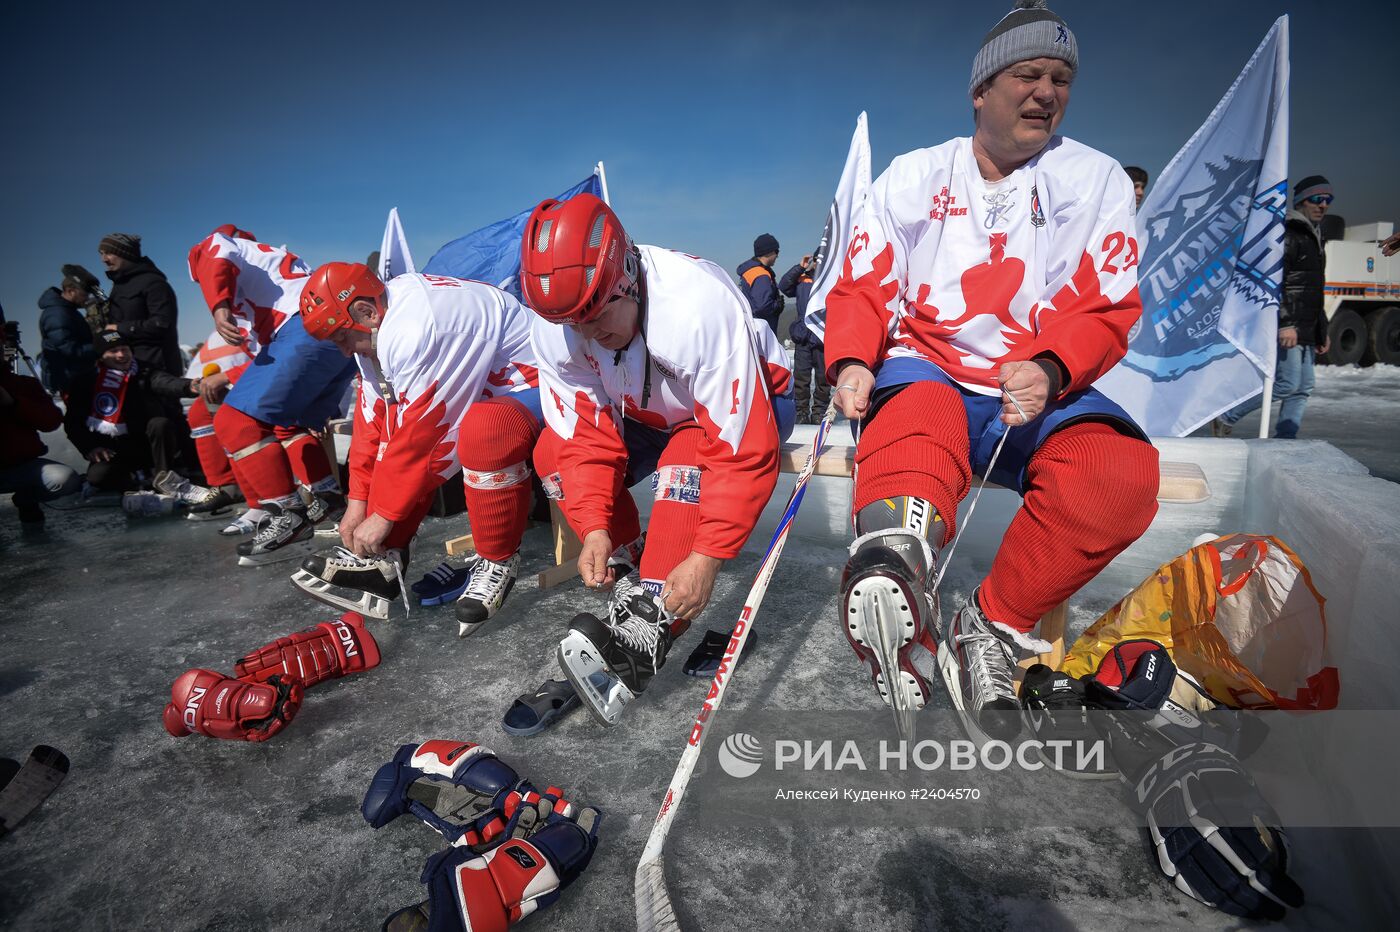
[1302, 323]
[651, 364]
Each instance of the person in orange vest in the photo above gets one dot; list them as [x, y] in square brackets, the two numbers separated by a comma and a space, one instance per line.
[759, 282]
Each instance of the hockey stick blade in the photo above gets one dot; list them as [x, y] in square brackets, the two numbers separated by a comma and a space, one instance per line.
[655, 911]
[37, 777]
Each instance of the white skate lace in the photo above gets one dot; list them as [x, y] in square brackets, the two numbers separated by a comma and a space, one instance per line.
[269, 532]
[639, 634]
[348, 559]
[967, 519]
[989, 666]
[487, 577]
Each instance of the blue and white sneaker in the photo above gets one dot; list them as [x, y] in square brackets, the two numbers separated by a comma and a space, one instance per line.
[443, 584]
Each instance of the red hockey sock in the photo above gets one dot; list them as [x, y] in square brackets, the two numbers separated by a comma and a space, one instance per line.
[675, 515]
[212, 458]
[625, 524]
[494, 444]
[917, 445]
[259, 462]
[305, 454]
[1090, 492]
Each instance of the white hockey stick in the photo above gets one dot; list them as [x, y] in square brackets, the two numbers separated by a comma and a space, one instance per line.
[654, 910]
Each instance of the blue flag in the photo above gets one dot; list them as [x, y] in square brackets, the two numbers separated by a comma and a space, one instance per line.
[1212, 265]
[492, 253]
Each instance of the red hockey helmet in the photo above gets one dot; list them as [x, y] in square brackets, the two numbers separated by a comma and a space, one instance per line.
[233, 232]
[575, 257]
[329, 292]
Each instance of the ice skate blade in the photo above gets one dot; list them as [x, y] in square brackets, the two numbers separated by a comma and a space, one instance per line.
[342, 597]
[218, 514]
[586, 671]
[880, 618]
[292, 551]
[466, 629]
[332, 532]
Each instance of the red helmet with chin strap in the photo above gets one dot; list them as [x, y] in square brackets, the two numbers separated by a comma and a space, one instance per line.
[575, 257]
[329, 292]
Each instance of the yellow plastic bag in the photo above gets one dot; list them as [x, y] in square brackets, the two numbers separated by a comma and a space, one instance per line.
[1239, 613]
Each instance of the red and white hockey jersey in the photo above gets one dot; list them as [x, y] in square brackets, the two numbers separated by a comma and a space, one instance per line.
[443, 344]
[700, 357]
[262, 284]
[217, 352]
[971, 274]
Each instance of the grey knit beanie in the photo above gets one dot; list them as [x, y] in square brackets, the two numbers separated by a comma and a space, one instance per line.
[1028, 31]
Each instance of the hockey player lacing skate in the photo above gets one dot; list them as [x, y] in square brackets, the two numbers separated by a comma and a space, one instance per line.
[610, 663]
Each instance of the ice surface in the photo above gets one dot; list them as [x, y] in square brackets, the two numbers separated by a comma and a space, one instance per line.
[100, 614]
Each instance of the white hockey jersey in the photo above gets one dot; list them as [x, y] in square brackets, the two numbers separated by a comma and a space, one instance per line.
[262, 284]
[970, 274]
[700, 357]
[444, 343]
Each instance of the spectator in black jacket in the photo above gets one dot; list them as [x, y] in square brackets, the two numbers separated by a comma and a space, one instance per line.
[759, 282]
[1302, 322]
[813, 394]
[25, 411]
[66, 336]
[143, 304]
[118, 416]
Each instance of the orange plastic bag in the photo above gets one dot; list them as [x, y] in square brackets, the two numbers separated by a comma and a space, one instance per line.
[1239, 613]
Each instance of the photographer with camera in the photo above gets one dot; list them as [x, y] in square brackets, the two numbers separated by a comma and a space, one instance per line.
[26, 410]
[66, 337]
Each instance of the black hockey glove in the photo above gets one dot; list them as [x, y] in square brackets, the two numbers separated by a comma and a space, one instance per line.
[1213, 834]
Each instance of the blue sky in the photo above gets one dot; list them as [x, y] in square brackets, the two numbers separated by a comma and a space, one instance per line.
[306, 122]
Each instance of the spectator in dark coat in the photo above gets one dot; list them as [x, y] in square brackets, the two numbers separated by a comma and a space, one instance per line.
[25, 411]
[118, 416]
[1302, 321]
[143, 303]
[813, 393]
[66, 336]
[759, 282]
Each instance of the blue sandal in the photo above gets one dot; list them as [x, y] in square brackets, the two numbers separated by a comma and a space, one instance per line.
[532, 714]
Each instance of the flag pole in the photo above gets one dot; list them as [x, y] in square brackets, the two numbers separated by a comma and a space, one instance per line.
[1265, 415]
[603, 180]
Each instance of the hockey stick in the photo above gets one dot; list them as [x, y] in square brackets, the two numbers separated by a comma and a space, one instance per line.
[654, 910]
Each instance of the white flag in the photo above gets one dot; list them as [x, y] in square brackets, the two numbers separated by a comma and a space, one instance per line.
[1213, 259]
[394, 257]
[851, 194]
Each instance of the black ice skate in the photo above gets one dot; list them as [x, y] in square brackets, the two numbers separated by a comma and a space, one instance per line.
[358, 584]
[284, 535]
[610, 663]
[888, 615]
[325, 510]
[486, 592]
[978, 660]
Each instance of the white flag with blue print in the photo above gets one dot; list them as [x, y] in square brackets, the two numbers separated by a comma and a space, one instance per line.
[852, 191]
[394, 257]
[1213, 259]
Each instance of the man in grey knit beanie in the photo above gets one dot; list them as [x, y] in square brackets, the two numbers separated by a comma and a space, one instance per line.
[1029, 31]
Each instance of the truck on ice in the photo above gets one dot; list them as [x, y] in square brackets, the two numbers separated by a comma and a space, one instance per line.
[1361, 295]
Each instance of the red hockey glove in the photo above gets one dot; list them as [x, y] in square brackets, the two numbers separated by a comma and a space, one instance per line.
[491, 892]
[215, 705]
[327, 651]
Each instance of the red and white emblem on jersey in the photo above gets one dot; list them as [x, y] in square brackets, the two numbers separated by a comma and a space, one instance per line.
[945, 205]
